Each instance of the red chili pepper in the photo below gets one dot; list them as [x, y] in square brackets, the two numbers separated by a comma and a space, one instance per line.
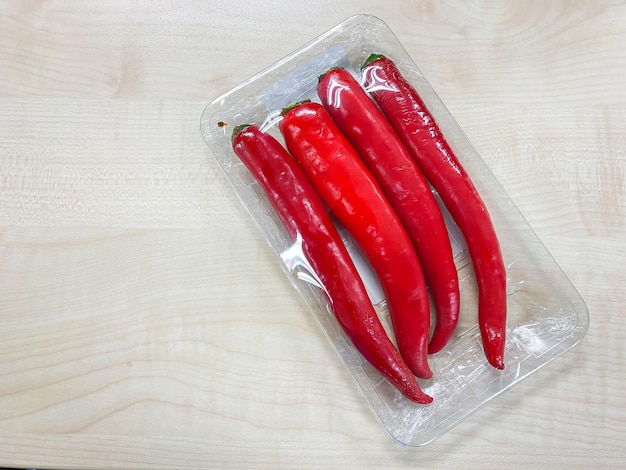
[354, 197]
[417, 128]
[304, 216]
[404, 186]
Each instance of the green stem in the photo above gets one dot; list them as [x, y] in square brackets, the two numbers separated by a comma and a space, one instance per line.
[372, 58]
[293, 105]
[325, 72]
[238, 129]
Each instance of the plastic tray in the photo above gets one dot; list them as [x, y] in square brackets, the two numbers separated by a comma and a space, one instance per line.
[546, 316]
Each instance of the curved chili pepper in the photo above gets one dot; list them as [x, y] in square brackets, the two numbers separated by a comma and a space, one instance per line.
[304, 216]
[405, 188]
[417, 128]
[354, 197]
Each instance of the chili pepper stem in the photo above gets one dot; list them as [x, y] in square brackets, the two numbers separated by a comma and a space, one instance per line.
[326, 72]
[292, 106]
[371, 58]
[238, 129]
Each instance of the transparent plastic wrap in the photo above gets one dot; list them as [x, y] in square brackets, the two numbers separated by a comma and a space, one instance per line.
[545, 314]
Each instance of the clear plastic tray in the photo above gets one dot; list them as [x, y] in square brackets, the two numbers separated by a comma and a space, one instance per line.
[546, 316]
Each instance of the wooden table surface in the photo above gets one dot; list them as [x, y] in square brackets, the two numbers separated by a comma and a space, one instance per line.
[144, 323]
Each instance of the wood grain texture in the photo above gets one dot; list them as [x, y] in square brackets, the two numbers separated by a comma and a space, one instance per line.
[144, 322]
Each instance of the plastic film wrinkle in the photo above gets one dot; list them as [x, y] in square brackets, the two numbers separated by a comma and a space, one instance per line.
[295, 260]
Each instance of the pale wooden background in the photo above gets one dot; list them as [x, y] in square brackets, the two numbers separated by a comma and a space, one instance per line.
[143, 321]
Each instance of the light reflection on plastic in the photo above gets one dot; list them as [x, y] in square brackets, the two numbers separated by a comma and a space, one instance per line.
[376, 82]
[294, 257]
[271, 120]
[334, 94]
[530, 336]
[301, 83]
